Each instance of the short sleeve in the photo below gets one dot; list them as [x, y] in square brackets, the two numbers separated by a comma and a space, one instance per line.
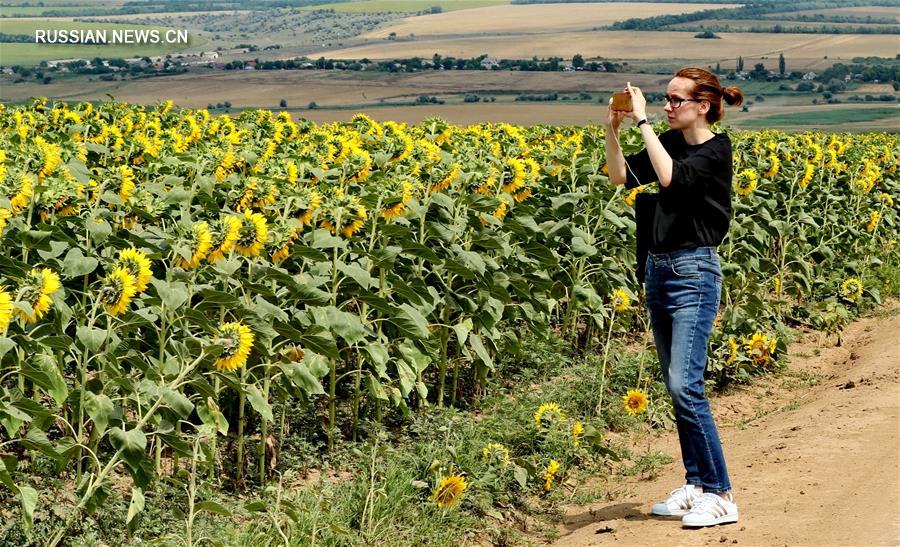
[701, 168]
[641, 170]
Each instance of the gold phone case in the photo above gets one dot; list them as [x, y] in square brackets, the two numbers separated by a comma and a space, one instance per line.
[621, 101]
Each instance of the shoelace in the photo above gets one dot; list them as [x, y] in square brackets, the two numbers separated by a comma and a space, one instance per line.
[681, 492]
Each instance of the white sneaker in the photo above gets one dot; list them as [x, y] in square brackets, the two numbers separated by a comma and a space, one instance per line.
[679, 502]
[711, 509]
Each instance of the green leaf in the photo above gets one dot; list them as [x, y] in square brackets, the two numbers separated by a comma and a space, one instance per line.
[480, 351]
[300, 376]
[411, 322]
[29, 498]
[44, 372]
[582, 248]
[173, 294]
[131, 444]
[259, 403]
[346, 325]
[76, 264]
[90, 337]
[406, 376]
[178, 402]
[135, 507]
[212, 416]
[462, 331]
[100, 408]
[213, 507]
[411, 354]
[375, 388]
[357, 274]
[521, 475]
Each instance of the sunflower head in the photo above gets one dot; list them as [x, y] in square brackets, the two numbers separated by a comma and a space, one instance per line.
[200, 242]
[38, 286]
[252, 235]
[851, 289]
[635, 401]
[6, 309]
[495, 453]
[117, 291]
[760, 348]
[547, 415]
[449, 491]
[620, 300]
[343, 213]
[138, 265]
[550, 474]
[577, 431]
[224, 236]
[236, 340]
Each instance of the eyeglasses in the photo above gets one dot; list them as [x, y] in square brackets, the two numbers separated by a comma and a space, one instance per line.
[676, 102]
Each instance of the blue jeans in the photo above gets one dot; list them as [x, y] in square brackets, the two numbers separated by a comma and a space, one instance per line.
[683, 289]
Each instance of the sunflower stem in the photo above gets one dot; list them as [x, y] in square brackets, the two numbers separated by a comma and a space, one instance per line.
[242, 399]
[612, 321]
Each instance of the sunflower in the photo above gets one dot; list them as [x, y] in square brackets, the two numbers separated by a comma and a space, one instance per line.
[760, 348]
[749, 176]
[236, 340]
[446, 181]
[887, 200]
[126, 182]
[343, 212]
[118, 288]
[733, 351]
[635, 401]
[851, 289]
[23, 194]
[552, 468]
[252, 234]
[809, 169]
[495, 453]
[577, 431]
[398, 208]
[774, 165]
[548, 414]
[307, 201]
[515, 177]
[201, 242]
[6, 309]
[36, 290]
[620, 300]
[224, 236]
[873, 221]
[138, 265]
[449, 491]
[5, 214]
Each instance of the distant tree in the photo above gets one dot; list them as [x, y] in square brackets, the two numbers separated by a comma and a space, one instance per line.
[227, 104]
[781, 65]
[282, 103]
[740, 64]
[718, 68]
[312, 105]
[578, 61]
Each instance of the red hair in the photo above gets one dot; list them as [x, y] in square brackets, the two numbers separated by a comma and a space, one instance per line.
[708, 88]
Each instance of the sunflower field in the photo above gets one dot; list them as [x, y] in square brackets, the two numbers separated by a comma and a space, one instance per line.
[170, 279]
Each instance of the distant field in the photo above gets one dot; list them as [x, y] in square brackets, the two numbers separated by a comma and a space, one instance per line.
[31, 53]
[833, 115]
[406, 5]
[737, 25]
[862, 11]
[531, 18]
[805, 50]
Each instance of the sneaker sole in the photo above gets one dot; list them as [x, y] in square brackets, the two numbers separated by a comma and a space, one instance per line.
[725, 519]
[676, 513]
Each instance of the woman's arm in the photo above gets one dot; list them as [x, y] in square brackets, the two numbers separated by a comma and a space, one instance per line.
[615, 161]
[661, 160]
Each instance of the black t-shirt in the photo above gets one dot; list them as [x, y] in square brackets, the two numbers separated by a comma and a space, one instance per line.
[695, 209]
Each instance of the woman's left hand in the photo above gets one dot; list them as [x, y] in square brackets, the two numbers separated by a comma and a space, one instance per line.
[638, 103]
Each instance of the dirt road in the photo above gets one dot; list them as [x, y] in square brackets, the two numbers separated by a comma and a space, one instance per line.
[813, 455]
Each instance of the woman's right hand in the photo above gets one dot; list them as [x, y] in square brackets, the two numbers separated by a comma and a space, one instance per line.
[614, 117]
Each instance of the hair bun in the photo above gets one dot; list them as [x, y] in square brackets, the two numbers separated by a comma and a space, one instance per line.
[733, 95]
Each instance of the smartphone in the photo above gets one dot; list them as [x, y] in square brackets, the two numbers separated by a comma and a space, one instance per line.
[621, 101]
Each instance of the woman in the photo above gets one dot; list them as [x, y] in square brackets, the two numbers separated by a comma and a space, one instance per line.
[683, 280]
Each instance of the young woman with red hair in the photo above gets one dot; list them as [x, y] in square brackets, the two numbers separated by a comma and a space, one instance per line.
[683, 279]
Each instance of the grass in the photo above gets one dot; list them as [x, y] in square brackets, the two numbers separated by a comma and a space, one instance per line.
[32, 53]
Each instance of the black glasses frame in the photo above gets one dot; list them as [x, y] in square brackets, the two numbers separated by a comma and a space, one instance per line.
[676, 102]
